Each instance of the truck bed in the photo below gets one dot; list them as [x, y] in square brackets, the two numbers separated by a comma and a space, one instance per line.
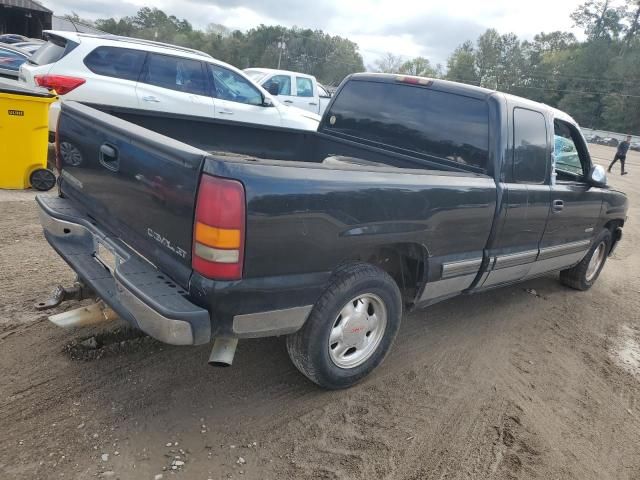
[304, 215]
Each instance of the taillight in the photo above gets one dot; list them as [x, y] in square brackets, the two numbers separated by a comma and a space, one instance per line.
[414, 80]
[60, 83]
[218, 234]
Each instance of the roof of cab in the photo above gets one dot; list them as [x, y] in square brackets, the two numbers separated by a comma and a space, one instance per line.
[445, 85]
[275, 70]
[465, 89]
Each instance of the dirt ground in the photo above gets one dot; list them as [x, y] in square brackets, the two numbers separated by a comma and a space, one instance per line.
[530, 381]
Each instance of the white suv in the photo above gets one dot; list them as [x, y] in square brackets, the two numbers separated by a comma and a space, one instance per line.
[139, 74]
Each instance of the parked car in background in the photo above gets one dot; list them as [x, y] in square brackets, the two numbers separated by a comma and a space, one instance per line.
[126, 72]
[610, 141]
[293, 88]
[31, 46]
[635, 146]
[12, 38]
[11, 58]
[593, 138]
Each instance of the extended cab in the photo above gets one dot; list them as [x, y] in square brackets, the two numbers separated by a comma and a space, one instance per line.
[292, 88]
[412, 191]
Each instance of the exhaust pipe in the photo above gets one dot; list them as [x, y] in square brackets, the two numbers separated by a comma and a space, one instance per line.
[94, 314]
[223, 351]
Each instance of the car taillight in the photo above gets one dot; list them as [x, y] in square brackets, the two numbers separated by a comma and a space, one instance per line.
[60, 83]
[218, 234]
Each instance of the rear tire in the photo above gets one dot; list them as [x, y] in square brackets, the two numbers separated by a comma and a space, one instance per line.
[350, 329]
[584, 275]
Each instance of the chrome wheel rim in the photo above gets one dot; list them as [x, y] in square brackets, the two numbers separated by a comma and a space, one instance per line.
[70, 154]
[596, 261]
[357, 331]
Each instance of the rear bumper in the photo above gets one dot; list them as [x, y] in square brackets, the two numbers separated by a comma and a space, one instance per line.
[135, 289]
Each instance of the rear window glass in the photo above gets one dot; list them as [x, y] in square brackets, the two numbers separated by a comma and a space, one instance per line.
[414, 119]
[529, 146]
[116, 62]
[52, 51]
[175, 73]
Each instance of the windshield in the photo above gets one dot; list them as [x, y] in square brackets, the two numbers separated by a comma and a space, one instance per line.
[255, 75]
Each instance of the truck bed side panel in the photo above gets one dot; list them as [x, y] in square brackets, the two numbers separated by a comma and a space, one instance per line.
[309, 218]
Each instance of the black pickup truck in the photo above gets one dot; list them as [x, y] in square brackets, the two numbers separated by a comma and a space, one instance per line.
[411, 191]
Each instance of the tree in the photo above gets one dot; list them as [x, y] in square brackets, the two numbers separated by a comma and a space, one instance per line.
[389, 63]
[488, 51]
[330, 58]
[599, 19]
[461, 65]
[420, 67]
[633, 18]
[75, 18]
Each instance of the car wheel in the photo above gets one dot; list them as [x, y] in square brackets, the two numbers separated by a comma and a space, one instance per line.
[585, 274]
[350, 329]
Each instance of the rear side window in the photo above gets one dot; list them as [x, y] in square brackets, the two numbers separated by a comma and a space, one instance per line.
[116, 62]
[529, 146]
[304, 87]
[175, 73]
[53, 50]
[10, 60]
[414, 120]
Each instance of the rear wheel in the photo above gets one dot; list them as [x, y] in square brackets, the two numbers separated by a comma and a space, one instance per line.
[585, 274]
[350, 328]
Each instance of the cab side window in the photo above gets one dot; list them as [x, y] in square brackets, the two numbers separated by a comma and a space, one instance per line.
[283, 82]
[530, 156]
[566, 152]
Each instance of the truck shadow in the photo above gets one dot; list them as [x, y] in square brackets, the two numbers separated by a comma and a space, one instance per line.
[159, 380]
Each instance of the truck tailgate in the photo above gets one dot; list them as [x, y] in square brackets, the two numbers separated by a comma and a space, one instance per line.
[139, 185]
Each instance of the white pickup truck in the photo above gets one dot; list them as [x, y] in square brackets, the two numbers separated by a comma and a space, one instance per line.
[292, 88]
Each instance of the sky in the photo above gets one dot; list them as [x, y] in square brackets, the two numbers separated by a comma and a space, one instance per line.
[405, 28]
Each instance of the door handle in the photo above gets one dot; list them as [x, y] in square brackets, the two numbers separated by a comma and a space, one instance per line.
[226, 112]
[288, 101]
[150, 98]
[558, 205]
[313, 104]
[109, 158]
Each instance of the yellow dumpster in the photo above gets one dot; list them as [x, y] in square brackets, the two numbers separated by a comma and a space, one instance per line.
[24, 136]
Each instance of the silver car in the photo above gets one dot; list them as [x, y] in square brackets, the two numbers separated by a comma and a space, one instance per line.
[10, 60]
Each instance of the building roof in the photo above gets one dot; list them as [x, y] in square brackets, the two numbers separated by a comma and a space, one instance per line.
[25, 4]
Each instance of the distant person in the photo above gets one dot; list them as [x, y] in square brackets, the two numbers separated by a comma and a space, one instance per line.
[621, 154]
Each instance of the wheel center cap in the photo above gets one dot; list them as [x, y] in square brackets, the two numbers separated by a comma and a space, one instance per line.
[354, 329]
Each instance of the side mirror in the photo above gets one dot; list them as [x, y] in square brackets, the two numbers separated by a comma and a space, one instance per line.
[267, 102]
[598, 176]
[273, 88]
